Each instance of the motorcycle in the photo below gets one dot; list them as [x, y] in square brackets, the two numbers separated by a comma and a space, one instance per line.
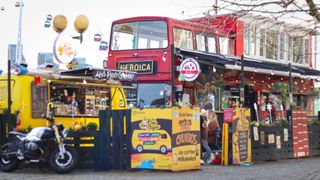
[41, 144]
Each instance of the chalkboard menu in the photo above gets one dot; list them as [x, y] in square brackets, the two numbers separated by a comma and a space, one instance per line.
[243, 145]
[241, 139]
[39, 100]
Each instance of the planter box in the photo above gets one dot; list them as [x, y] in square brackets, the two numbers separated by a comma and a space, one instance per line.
[271, 143]
[314, 140]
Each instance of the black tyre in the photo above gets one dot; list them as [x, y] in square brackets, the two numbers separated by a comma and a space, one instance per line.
[66, 164]
[8, 164]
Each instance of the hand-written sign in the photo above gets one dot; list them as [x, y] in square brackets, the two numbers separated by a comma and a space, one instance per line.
[114, 75]
[39, 99]
[243, 145]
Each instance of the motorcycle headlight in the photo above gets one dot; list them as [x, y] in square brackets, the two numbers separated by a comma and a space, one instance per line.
[64, 133]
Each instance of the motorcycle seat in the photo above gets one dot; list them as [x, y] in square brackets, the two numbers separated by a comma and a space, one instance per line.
[17, 133]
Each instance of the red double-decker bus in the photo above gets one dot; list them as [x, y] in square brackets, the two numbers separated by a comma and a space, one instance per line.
[152, 46]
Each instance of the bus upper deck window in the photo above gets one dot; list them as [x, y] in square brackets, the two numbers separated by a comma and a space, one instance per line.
[139, 35]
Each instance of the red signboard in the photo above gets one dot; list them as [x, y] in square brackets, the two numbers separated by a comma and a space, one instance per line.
[228, 115]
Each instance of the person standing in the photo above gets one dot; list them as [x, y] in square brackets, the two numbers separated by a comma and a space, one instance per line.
[208, 156]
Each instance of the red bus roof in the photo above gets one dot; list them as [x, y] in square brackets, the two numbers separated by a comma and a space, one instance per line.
[191, 24]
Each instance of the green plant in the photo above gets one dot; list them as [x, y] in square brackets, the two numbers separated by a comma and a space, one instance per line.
[282, 88]
[281, 122]
[254, 123]
[315, 92]
[29, 128]
[92, 126]
[313, 122]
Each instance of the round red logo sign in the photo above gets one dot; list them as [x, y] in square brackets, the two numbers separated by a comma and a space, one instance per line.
[190, 69]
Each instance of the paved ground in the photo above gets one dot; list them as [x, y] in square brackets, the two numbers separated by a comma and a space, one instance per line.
[293, 169]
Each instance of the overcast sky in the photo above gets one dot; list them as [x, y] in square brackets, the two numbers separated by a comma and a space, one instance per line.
[101, 13]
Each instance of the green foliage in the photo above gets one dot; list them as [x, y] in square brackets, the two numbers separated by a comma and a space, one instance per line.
[92, 126]
[29, 128]
[313, 122]
[255, 123]
[282, 88]
[281, 122]
[315, 92]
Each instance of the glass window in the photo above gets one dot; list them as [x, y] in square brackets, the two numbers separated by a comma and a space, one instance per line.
[201, 44]
[281, 48]
[262, 42]
[139, 35]
[290, 53]
[151, 95]
[247, 40]
[124, 36]
[226, 46]
[182, 38]
[271, 43]
[143, 43]
[212, 48]
[253, 38]
[306, 51]
[297, 50]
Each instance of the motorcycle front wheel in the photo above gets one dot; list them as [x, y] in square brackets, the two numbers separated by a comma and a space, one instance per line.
[65, 164]
[8, 164]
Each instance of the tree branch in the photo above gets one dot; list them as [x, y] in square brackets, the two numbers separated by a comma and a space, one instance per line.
[313, 10]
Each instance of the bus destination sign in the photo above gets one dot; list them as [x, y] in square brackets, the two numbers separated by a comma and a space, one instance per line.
[141, 67]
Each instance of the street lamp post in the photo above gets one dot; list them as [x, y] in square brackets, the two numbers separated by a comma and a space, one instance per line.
[290, 94]
[19, 44]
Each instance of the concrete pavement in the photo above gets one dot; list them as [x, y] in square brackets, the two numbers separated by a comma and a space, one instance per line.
[293, 169]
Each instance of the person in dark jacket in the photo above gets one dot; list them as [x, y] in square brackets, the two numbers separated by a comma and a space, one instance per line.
[208, 156]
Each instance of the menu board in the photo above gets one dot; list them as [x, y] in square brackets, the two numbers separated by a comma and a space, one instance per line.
[243, 145]
[241, 139]
[39, 100]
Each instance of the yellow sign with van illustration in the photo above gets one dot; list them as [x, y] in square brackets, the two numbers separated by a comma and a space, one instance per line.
[157, 134]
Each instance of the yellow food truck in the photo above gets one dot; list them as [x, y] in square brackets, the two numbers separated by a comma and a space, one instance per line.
[77, 95]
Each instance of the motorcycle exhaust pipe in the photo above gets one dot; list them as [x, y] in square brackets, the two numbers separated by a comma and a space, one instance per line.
[10, 155]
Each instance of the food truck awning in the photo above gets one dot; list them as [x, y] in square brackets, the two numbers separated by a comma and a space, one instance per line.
[101, 74]
[275, 68]
[206, 58]
[251, 65]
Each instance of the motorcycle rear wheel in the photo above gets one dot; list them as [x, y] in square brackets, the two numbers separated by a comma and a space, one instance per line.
[8, 164]
[65, 165]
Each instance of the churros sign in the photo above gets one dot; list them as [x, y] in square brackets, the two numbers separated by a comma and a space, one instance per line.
[190, 69]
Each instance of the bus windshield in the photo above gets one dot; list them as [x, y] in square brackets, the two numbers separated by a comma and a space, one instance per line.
[152, 95]
[139, 35]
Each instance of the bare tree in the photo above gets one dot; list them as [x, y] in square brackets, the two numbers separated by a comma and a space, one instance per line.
[295, 9]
